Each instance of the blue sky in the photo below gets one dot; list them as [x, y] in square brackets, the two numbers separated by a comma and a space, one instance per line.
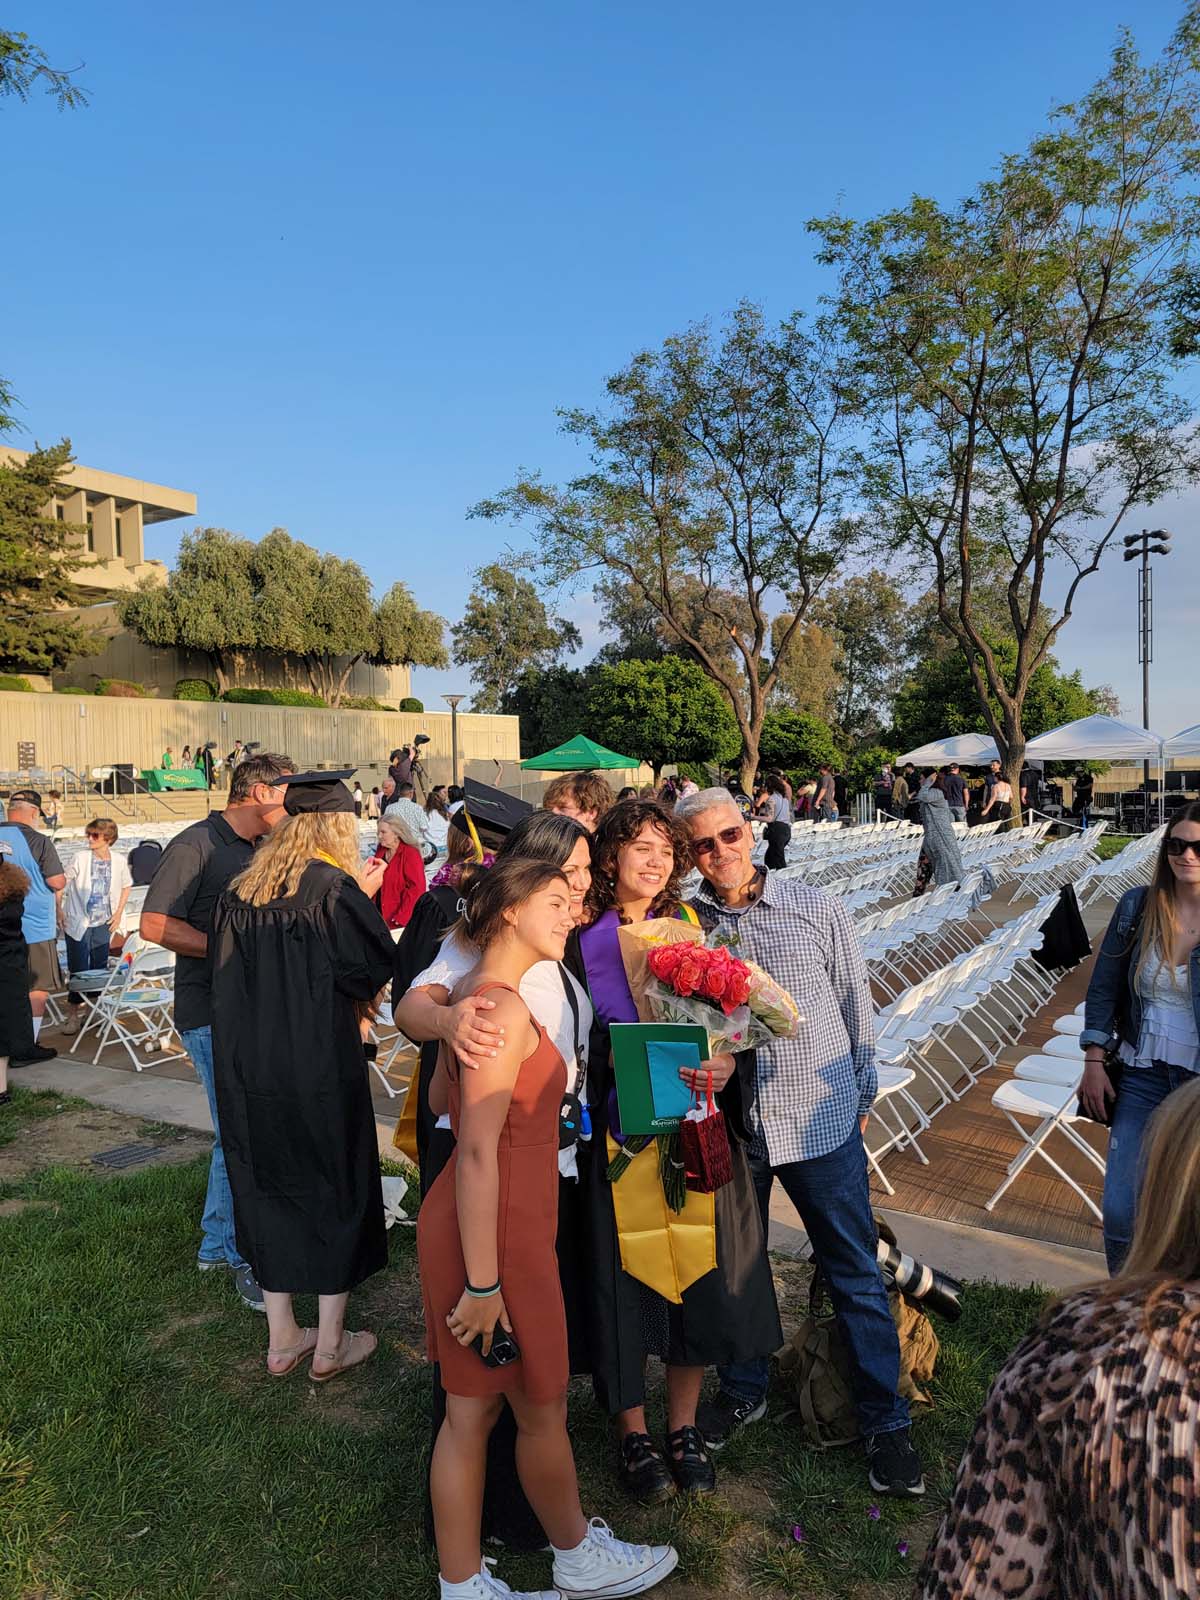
[335, 268]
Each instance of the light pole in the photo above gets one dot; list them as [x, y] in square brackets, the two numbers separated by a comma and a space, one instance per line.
[452, 701]
[1152, 542]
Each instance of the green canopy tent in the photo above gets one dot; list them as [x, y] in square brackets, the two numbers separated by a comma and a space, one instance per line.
[580, 754]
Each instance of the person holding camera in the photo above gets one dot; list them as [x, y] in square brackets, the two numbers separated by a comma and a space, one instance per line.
[489, 1272]
[1141, 1033]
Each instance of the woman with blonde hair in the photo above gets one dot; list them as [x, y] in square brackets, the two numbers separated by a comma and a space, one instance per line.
[1080, 1480]
[298, 952]
[1141, 1033]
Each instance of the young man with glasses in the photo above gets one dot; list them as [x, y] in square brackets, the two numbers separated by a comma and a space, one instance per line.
[807, 1101]
[196, 868]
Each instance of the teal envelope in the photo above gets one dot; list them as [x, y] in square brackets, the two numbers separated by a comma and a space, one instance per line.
[666, 1058]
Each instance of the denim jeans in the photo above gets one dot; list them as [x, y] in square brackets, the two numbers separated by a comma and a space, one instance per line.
[832, 1195]
[218, 1242]
[1142, 1090]
[958, 813]
[89, 954]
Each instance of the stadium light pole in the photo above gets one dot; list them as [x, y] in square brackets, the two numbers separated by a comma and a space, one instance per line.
[452, 701]
[1152, 542]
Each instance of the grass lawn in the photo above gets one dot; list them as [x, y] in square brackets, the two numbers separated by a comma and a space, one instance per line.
[1111, 844]
[144, 1453]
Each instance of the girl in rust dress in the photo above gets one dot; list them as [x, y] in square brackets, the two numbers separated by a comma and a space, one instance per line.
[489, 1273]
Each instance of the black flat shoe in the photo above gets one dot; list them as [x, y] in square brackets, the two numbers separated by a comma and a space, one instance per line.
[689, 1461]
[40, 1052]
[642, 1471]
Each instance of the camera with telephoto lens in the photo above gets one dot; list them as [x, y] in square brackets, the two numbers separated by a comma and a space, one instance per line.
[936, 1291]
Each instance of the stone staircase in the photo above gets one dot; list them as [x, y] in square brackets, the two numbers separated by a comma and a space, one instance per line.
[181, 805]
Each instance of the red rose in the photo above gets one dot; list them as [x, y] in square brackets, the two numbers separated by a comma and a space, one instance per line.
[715, 981]
[689, 977]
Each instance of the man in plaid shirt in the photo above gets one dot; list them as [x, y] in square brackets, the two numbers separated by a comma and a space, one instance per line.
[808, 1099]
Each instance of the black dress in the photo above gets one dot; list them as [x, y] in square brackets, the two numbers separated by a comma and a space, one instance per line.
[729, 1315]
[16, 1019]
[297, 1124]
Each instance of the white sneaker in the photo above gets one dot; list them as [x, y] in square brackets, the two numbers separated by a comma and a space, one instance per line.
[485, 1585]
[605, 1567]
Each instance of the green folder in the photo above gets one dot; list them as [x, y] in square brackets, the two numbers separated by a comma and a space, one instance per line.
[651, 1096]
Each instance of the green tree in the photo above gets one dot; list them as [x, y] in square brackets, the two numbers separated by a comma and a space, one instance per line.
[939, 700]
[716, 462]
[1017, 351]
[24, 67]
[867, 618]
[793, 741]
[661, 712]
[207, 603]
[637, 632]
[505, 630]
[552, 703]
[807, 680]
[38, 557]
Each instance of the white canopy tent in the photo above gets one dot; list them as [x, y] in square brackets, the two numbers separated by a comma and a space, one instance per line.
[968, 749]
[1185, 743]
[1097, 738]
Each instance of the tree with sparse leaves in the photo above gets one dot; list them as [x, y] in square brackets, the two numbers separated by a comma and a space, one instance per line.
[806, 681]
[38, 559]
[24, 67]
[1017, 354]
[716, 473]
[866, 616]
[504, 631]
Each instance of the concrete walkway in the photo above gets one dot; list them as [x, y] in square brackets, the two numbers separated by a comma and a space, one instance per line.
[963, 1252]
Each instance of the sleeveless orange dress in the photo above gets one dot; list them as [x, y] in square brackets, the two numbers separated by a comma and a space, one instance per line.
[526, 1225]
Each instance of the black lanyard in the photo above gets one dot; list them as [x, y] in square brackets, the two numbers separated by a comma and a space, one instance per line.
[580, 1042]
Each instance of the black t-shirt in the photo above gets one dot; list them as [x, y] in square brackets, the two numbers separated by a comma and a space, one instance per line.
[196, 866]
[954, 787]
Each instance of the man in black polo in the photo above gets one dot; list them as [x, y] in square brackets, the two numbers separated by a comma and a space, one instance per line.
[954, 787]
[197, 866]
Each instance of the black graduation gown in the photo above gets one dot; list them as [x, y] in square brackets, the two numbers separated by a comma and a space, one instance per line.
[16, 1019]
[293, 1096]
[728, 1315]
[434, 914]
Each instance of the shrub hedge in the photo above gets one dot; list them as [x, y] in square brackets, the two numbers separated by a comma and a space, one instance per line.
[120, 689]
[273, 697]
[362, 702]
[409, 704]
[13, 684]
[195, 689]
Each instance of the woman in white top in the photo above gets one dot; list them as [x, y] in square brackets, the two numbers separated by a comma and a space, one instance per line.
[1143, 1006]
[437, 818]
[999, 800]
[90, 910]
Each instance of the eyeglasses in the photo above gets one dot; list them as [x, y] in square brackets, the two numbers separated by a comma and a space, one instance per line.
[93, 836]
[1183, 847]
[704, 847]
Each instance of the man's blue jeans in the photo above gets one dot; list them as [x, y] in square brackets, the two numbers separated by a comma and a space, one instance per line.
[218, 1242]
[833, 1197]
[958, 813]
[1142, 1091]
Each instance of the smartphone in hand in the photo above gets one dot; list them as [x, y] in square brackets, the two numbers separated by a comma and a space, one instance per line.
[504, 1349]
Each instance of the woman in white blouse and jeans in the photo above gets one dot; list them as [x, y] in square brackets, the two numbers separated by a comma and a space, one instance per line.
[98, 885]
[1144, 1003]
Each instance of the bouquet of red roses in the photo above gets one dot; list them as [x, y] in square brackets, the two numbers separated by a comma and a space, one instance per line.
[734, 1000]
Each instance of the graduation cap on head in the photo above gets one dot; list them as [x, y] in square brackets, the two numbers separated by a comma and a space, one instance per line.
[316, 791]
[487, 816]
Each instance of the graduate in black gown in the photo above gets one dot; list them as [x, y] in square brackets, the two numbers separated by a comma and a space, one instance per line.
[16, 1019]
[299, 951]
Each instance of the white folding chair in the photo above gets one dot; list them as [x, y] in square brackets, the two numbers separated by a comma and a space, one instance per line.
[893, 1084]
[1052, 1106]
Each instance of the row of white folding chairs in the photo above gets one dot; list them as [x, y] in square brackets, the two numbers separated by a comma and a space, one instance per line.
[1132, 866]
[1060, 862]
[1044, 1090]
[988, 994]
[915, 938]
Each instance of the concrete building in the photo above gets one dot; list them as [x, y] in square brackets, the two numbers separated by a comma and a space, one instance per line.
[115, 511]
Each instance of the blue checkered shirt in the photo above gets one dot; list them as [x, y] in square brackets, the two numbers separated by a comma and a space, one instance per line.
[808, 1091]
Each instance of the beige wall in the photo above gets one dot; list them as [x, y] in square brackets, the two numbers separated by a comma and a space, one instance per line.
[85, 731]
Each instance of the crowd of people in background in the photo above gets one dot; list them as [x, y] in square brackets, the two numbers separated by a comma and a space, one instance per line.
[492, 931]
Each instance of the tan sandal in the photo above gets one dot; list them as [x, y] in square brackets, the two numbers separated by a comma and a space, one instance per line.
[357, 1348]
[296, 1351]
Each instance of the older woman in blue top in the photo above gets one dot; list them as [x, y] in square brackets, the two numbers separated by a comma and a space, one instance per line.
[1144, 1002]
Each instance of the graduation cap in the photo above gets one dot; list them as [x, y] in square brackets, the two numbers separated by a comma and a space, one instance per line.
[316, 791]
[487, 816]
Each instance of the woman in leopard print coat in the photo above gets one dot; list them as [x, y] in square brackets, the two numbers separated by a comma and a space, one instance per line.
[1080, 1482]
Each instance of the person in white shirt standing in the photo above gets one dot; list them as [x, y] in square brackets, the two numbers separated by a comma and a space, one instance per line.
[92, 905]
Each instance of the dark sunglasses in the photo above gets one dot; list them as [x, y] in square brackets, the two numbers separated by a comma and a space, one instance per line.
[703, 847]
[1181, 847]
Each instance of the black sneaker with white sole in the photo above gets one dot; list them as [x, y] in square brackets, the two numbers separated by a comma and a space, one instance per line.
[893, 1466]
[724, 1415]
